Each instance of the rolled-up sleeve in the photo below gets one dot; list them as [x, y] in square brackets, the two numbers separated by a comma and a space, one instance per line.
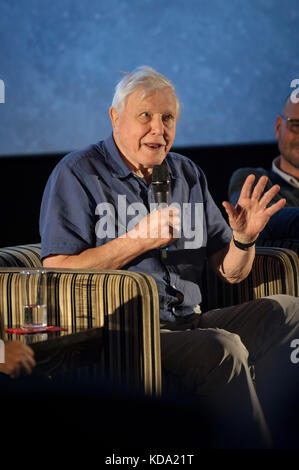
[66, 216]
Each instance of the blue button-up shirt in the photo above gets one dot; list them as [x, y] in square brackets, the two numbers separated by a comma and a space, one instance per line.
[92, 197]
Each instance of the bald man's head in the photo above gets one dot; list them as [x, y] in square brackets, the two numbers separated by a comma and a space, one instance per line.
[290, 107]
[287, 134]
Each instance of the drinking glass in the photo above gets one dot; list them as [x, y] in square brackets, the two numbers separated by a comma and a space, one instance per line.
[34, 299]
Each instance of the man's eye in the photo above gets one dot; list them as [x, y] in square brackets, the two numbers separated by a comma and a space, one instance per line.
[294, 126]
[144, 117]
[168, 120]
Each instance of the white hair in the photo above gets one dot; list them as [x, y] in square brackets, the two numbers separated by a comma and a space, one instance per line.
[144, 77]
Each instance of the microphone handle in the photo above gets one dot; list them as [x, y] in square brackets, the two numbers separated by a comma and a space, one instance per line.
[162, 197]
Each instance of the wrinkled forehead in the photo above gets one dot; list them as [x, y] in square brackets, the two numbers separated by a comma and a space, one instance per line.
[147, 94]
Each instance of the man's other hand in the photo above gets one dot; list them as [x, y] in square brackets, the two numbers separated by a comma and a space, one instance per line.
[19, 359]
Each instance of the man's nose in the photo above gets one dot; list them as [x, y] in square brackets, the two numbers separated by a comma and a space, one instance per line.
[157, 126]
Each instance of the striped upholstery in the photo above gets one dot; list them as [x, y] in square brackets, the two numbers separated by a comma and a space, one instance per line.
[125, 304]
[275, 271]
[1, 327]
[23, 255]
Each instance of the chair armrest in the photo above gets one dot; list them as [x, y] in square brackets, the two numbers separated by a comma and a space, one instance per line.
[21, 255]
[275, 271]
[124, 303]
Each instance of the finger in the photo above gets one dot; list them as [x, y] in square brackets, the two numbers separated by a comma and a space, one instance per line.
[16, 371]
[31, 361]
[176, 228]
[259, 188]
[229, 208]
[28, 350]
[171, 213]
[247, 186]
[27, 362]
[27, 366]
[174, 219]
[171, 216]
[269, 195]
[275, 207]
[173, 210]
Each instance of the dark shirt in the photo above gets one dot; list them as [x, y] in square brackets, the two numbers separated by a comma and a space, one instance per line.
[286, 190]
[93, 186]
[284, 225]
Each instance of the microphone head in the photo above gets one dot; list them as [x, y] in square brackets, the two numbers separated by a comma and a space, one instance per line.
[161, 183]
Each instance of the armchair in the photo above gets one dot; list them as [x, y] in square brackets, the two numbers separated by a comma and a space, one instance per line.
[125, 305]
[275, 271]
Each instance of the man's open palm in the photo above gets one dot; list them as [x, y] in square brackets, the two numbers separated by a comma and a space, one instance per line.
[250, 215]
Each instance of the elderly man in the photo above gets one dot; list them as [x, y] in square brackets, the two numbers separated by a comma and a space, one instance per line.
[206, 353]
[285, 172]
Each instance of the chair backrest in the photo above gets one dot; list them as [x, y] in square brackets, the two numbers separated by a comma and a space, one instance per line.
[289, 243]
[275, 271]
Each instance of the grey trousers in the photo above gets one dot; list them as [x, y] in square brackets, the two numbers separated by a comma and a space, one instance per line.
[210, 354]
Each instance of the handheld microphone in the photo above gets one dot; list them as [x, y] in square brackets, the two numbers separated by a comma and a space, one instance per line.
[161, 185]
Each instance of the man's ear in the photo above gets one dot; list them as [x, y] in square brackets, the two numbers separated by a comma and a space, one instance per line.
[114, 116]
[277, 126]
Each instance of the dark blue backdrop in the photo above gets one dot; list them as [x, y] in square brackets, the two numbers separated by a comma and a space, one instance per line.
[231, 61]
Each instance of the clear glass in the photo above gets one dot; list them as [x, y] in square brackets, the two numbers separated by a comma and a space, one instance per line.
[34, 299]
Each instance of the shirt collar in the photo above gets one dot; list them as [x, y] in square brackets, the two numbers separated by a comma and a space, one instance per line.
[114, 160]
[288, 178]
[118, 166]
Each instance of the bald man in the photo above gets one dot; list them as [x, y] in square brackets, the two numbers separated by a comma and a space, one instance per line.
[284, 172]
